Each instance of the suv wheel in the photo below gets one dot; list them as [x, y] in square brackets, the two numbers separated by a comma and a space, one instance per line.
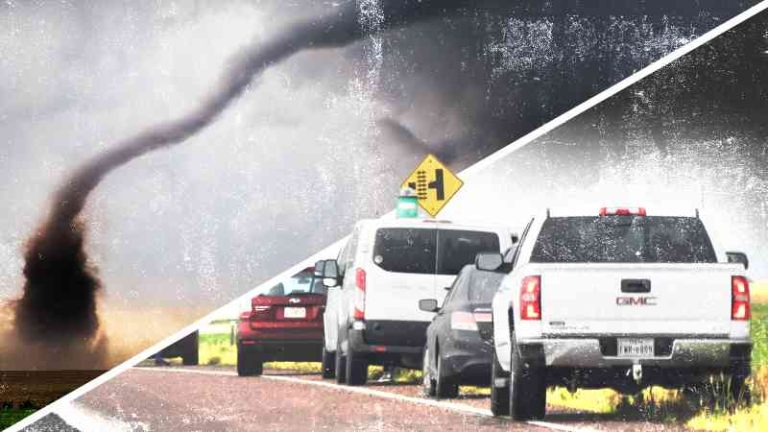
[499, 388]
[428, 382]
[329, 363]
[527, 387]
[249, 361]
[357, 369]
[341, 364]
[447, 387]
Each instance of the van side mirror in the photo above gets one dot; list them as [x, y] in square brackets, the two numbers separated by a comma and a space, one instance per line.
[738, 257]
[319, 266]
[515, 239]
[428, 305]
[331, 274]
[488, 261]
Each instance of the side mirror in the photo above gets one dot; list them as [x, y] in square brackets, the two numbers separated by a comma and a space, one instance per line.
[488, 261]
[428, 305]
[515, 239]
[738, 257]
[319, 266]
[330, 274]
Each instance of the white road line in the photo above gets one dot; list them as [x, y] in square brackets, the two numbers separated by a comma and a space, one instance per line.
[451, 406]
[88, 420]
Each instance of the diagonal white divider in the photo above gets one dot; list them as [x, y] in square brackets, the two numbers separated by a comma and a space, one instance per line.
[467, 173]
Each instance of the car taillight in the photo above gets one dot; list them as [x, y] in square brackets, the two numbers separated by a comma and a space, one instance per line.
[463, 321]
[261, 312]
[740, 308]
[530, 298]
[622, 211]
[359, 313]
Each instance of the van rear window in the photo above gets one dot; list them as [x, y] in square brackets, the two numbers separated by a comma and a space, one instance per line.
[405, 250]
[429, 251]
[457, 248]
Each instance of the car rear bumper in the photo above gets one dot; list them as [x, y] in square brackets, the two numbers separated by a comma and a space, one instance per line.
[284, 350]
[595, 353]
[468, 357]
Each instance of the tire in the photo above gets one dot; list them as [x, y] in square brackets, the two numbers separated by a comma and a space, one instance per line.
[740, 395]
[357, 369]
[499, 395]
[428, 384]
[191, 359]
[446, 386]
[191, 355]
[328, 363]
[249, 363]
[527, 387]
[341, 365]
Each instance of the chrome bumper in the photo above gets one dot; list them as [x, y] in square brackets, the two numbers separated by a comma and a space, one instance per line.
[586, 353]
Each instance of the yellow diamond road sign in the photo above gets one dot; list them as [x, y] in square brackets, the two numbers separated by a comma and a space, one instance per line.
[434, 184]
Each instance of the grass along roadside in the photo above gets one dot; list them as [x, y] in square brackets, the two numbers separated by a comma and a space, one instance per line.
[658, 404]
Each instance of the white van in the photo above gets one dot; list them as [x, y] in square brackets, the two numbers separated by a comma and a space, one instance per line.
[372, 313]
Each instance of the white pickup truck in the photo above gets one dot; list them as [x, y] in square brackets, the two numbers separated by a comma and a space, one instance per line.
[618, 299]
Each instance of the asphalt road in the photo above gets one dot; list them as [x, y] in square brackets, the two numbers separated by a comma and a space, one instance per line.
[215, 399]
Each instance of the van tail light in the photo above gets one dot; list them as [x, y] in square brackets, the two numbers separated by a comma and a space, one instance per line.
[530, 298]
[359, 313]
[740, 307]
[463, 321]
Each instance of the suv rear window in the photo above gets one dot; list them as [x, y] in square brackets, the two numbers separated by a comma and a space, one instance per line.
[429, 251]
[483, 286]
[623, 239]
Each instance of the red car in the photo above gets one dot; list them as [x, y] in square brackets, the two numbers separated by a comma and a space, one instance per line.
[284, 324]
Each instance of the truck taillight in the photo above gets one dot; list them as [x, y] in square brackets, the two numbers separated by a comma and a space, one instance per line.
[463, 321]
[359, 313]
[530, 298]
[623, 211]
[740, 308]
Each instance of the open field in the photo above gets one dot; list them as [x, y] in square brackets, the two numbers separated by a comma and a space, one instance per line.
[22, 392]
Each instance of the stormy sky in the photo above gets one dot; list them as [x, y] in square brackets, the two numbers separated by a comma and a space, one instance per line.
[691, 136]
[316, 142]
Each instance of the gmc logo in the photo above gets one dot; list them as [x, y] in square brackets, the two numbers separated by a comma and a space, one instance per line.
[636, 301]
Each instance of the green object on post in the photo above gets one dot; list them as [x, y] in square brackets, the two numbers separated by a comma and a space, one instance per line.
[407, 204]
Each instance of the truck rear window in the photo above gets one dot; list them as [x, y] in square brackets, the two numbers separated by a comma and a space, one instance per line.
[623, 239]
[429, 251]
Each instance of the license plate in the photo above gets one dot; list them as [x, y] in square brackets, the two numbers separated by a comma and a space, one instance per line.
[635, 348]
[294, 312]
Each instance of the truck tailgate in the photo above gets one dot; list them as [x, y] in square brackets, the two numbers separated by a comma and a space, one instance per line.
[633, 299]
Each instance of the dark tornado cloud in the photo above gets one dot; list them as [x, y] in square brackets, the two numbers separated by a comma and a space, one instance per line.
[58, 305]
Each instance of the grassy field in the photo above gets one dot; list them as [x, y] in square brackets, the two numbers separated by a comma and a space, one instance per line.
[10, 416]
